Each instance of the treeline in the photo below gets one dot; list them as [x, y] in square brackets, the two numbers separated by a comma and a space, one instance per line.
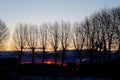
[98, 34]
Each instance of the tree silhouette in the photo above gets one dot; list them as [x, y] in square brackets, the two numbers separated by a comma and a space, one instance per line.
[78, 39]
[54, 37]
[65, 31]
[86, 26]
[4, 34]
[43, 37]
[19, 39]
[117, 27]
[109, 34]
[103, 19]
[90, 28]
[98, 37]
[31, 34]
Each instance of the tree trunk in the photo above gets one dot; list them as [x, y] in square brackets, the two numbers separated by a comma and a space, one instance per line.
[33, 55]
[20, 55]
[105, 56]
[55, 56]
[99, 56]
[96, 55]
[63, 57]
[43, 57]
[118, 50]
[79, 53]
[91, 56]
[109, 52]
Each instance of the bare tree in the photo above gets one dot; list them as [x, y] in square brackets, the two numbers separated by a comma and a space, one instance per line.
[90, 29]
[98, 37]
[117, 27]
[78, 39]
[43, 37]
[19, 39]
[102, 29]
[109, 33]
[65, 31]
[86, 25]
[54, 37]
[31, 33]
[93, 37]
[4, 34]
[103, 19]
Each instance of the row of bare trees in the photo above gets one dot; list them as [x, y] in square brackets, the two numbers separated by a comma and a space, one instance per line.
[34, 37]
[102, 30]
[98, 34]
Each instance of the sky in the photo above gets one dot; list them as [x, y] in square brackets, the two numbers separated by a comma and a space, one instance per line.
[13, 12]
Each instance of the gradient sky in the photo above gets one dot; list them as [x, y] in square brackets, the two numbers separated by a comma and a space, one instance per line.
[13, 12]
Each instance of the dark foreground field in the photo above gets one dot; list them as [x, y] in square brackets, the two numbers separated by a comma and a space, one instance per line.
[13, 71]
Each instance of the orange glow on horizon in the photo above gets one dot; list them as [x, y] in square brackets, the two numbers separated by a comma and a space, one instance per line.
[48, 62]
